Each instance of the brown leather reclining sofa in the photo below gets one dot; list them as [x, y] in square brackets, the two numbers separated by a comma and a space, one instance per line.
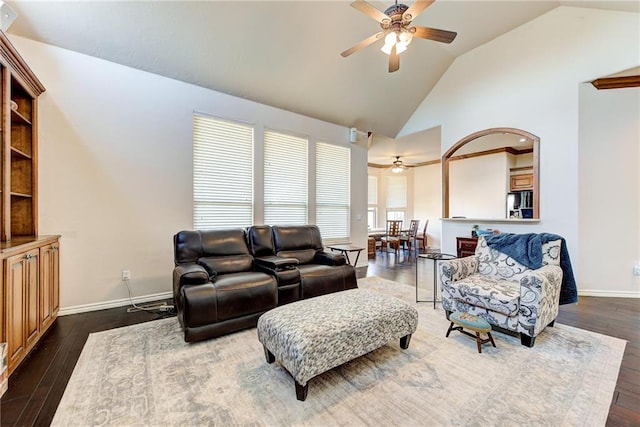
[224, 280]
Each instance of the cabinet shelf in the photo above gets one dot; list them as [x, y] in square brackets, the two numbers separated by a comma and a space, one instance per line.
[19, 119]
[19, 154]
[21, 195]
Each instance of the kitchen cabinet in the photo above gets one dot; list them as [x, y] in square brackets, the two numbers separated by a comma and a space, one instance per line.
[522, 182]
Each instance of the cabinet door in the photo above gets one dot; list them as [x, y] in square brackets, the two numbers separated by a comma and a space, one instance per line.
[32, 285]
[22, 314]
[15, 279]
[522, 182]
[49, 290]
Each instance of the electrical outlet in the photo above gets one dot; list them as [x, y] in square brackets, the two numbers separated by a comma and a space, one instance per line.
[636, 269]
[126, 275]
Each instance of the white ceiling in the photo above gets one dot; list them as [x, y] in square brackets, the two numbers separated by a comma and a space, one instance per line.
[283, 53]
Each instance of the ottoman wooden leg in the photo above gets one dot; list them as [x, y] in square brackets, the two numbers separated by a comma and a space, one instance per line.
[404, 341]
[269, 356]
[301, 391]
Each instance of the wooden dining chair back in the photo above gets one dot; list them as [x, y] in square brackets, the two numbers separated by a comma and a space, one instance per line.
[392, 236]
[408, 237]
[421, 239]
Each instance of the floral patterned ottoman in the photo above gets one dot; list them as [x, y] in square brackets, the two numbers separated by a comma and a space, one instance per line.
[312, 336]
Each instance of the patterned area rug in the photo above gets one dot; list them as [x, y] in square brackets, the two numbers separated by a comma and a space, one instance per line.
[147, 375]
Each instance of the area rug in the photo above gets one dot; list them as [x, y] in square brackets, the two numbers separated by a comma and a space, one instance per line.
[147, 375]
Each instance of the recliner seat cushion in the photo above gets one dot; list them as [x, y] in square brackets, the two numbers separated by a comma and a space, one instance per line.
[502, 296]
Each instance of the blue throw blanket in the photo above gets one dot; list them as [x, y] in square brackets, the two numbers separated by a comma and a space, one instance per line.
[527, 250]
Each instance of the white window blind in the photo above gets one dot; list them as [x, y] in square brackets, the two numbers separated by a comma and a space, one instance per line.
[222, 173]
[373, 190]
[285, 178]
[333, 199]
[396, 192]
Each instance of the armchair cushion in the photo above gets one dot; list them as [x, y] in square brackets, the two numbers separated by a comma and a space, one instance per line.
[502, 296]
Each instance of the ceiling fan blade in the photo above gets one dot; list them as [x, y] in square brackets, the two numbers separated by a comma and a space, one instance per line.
[415, 9]
[394, 60]
[367, 9]
[364, 43]
[443, 36]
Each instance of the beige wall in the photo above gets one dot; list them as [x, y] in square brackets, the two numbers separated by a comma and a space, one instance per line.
[115, 169]
[609, 218]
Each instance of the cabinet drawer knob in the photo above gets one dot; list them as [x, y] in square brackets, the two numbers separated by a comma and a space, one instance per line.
[28, 256]
[54, 247]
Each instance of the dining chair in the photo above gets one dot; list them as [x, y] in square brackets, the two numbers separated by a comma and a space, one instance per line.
[409, 235]
[422, 238]
[392, 236]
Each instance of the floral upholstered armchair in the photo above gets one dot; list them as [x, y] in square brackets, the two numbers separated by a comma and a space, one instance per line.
[507, 294]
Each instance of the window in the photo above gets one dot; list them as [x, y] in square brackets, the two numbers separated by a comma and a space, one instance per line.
[396, 197]
[285, 178]
[372, 209]
[333, 199]
[222, 173]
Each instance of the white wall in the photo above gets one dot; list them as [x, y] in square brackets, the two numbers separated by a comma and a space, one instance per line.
[478, 186]
[115, 168]
[609, 219]
[428, 201]
[529, 79]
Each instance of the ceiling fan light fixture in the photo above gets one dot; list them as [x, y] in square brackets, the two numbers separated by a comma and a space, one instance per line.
[389, 41]
[405, 37]
[396, 169]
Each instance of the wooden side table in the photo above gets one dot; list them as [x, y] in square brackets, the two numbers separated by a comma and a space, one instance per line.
[466, 246]
[345, 249]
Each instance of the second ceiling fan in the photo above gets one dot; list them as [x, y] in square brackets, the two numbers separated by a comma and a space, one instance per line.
[397, 31]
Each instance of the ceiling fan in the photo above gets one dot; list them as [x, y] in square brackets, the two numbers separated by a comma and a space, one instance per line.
[396, 30]
[398, 166]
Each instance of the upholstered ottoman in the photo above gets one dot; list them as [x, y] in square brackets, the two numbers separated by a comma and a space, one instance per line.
[312, 336]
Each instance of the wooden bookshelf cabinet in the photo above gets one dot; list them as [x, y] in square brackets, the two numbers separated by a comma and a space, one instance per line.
[30, 292]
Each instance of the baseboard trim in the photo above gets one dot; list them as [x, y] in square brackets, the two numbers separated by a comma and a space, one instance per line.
[609, 294]
[166, 295]
[84, 308]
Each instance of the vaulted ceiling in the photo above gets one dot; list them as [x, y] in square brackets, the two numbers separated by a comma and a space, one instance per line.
[282, 53]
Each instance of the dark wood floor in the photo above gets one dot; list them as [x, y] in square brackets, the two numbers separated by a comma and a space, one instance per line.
[36, 387]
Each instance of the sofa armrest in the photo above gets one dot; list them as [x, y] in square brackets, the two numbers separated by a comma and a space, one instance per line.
[327, 258]
[539, 299]
[199, 305]
[276, 263]
[190, 274]
[452, 270]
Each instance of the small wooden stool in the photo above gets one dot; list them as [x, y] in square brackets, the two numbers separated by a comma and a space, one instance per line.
[474, 323]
